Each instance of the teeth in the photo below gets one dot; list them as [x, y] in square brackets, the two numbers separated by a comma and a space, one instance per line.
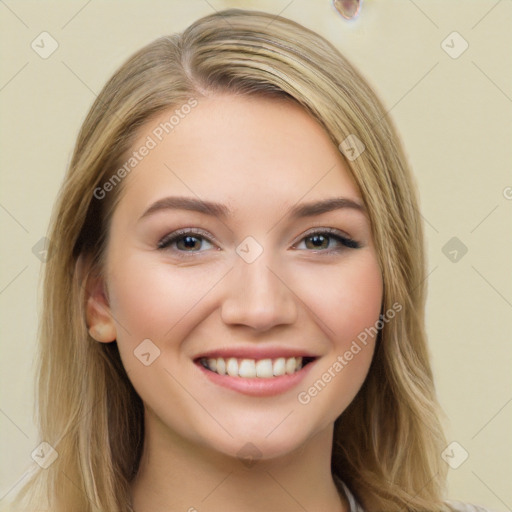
[290, 365]
[279, 366]
[232, 367]
[264, 369]
[247, 368]
[251, 368]
[221, 366]
[212, 363]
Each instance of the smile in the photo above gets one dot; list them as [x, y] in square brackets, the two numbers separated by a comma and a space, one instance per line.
[255, 368]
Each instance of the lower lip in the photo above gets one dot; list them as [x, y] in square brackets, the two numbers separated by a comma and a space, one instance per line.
[258, 386]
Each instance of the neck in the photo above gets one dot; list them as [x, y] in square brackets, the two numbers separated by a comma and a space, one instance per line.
[177, 475]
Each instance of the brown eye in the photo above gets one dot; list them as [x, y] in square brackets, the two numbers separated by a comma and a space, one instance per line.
[188, 242]
[321, 240]
[184, 241]
[318, 242]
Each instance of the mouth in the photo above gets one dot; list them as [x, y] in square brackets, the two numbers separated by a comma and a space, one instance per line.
[244, 368]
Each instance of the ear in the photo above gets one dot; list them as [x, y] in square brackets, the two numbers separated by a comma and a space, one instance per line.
[100, 321]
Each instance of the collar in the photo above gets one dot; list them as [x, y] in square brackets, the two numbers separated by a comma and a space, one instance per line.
[354, 505]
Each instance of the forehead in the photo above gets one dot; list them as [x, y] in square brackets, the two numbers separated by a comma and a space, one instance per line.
[237, 150]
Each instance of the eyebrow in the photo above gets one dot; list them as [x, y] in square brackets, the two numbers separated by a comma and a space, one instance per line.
[220, 210]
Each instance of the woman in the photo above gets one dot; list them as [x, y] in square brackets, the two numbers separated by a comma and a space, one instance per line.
[234, 299]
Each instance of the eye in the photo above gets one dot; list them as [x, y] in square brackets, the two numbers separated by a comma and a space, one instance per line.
[184, 240]
[321, 239]
[192, 241]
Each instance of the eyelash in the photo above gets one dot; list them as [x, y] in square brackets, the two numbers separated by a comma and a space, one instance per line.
[348, 243]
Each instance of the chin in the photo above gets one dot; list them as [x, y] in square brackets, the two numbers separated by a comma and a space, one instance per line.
[263, 440]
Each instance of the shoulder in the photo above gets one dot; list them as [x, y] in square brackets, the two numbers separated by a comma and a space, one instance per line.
[459, 506]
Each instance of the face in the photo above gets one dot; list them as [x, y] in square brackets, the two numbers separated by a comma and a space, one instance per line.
[238, 322]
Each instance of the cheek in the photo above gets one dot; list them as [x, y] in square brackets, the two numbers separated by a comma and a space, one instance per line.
[354, 321]
[152, 301]
[360, 297]
[349, 305]
[150, 298]
[348, 298]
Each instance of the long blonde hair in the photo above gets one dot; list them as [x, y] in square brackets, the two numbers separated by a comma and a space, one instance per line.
[387, 443]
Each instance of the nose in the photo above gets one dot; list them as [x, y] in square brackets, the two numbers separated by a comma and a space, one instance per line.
[258, 296]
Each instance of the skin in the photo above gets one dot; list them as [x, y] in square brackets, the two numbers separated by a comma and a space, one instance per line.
[259, 157]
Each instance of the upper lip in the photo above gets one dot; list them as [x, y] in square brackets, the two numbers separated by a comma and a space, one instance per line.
[255, 353]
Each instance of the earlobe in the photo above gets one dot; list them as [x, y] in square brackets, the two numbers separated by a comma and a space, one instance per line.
[103, 332]
[100, 321]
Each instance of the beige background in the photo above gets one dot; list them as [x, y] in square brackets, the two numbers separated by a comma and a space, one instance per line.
[454, 115]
